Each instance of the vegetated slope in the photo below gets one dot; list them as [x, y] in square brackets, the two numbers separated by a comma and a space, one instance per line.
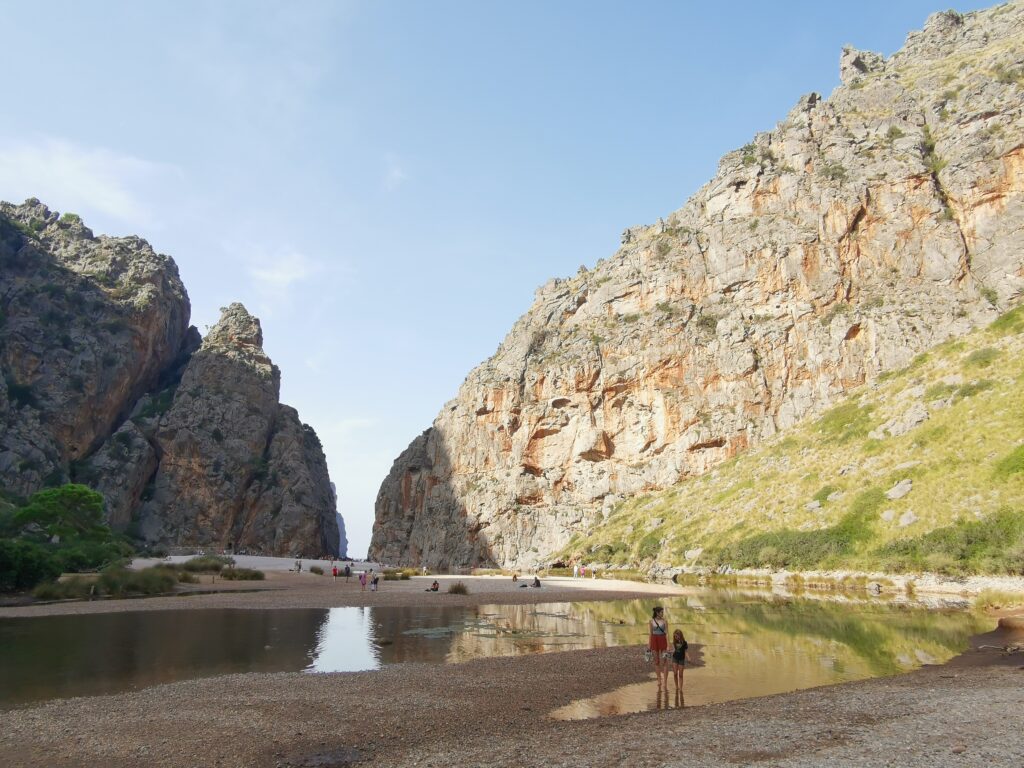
[103, 382]
[861, 231]
[923, 470]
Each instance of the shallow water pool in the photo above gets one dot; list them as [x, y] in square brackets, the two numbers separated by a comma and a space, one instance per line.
[742, 646]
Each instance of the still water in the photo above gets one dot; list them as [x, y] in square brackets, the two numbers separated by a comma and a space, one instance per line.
[742, 646]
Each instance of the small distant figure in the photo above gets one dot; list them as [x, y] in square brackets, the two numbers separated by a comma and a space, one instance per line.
[298, 566]
[575, 570]
[679, 646]
[362, 581]
[593, 572]
[424, 570]
[515, 577]
[434, 587]
[334, 572]
[348, 572]
[536, 582]
[373, 582]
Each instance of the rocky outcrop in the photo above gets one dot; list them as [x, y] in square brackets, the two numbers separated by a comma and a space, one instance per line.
[860, 231]
[87, 325]
[105, 383]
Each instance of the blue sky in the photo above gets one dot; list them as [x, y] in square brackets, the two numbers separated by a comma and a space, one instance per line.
[386, 183]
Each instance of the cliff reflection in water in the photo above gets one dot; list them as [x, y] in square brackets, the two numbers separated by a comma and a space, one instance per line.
[85, 655]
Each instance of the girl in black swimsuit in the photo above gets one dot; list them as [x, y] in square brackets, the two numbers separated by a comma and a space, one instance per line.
[679, 646]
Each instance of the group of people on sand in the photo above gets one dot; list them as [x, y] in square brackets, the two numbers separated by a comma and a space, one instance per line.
[579, 570]
[345, 571]
[368, 577]
[657, 648]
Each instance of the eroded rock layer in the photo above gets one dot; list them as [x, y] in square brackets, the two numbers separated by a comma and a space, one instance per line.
[104, 382]
[862, 230]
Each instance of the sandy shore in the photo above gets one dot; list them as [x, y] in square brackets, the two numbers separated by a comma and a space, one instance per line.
[282, 589]
[493, 712]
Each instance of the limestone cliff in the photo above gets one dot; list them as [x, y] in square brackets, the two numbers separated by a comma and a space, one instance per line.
[863, 229]
[104, 382]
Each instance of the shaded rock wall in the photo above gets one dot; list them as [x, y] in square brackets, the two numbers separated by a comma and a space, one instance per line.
[104, 382]
[860, 231]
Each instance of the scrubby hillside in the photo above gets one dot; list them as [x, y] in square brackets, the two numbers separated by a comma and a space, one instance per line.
[923, 470]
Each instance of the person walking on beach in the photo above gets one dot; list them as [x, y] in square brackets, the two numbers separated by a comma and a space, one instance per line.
[679, 646]
[373, 582]
[575, 570]
[658, 643]
[362, 581]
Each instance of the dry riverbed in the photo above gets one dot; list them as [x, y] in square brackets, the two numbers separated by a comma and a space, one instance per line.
[493, 711]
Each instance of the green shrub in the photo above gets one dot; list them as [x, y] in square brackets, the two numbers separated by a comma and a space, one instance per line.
[245, 574]
[833, 171]
[997, 598]
[994, 544]
[73, 588]
[1008, 322]
[972, 388]
[845, 422]
[157, 405]
[119, 582]
[23, 564]
[823, 494]
[1011, 464]
[21, 394]
[981, 358]
[707, 323]
[208, 563]
[939, 391]
[649, 545]
[458, 588]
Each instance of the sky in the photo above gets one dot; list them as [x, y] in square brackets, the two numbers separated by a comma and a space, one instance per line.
[385, 183]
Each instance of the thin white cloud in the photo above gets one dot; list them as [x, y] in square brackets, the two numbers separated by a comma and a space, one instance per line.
[72, 177]
[394, 175]
[276, 274]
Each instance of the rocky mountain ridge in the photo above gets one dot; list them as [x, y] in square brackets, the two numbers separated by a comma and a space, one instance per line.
[105, 383]
[862, 230]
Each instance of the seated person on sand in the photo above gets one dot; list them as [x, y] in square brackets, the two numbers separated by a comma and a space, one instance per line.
[536, 582]
[433, 587]
[515, 577]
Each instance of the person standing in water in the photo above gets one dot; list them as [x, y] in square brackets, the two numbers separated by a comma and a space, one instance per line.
[658, 643]
[679, 646]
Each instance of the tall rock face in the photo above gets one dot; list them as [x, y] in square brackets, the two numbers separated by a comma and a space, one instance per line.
[860, 231]
[87, 326]
[104, 382]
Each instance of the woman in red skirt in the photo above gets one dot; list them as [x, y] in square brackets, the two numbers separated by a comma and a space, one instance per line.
[658, 643]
